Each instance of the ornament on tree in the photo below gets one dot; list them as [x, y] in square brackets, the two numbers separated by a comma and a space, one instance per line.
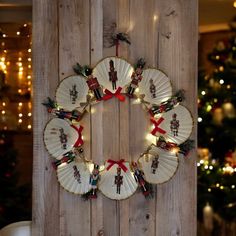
[228, 110]
[218, 116]
[208, 217]
[204, 154]
[231, 158]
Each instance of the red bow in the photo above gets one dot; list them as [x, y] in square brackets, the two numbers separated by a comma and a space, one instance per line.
[157, 123]
[79, 141]
[120, 163]
[117, 94]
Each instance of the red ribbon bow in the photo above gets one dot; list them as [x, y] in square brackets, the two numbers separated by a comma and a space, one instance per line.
[120, 163]
[117, 94]
[79, 141]
[156, 124]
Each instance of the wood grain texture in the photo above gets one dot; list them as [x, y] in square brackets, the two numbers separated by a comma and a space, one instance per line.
[45, 186]
[96, 46]
[74, 47]
[164, 32]
[178, 58]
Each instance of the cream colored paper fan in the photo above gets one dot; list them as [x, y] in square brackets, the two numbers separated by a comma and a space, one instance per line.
[113, 72]
[177, 125]
[159, 165]
[74, 177]
[116, 183]
[60, 137]
[155, 85]
[71, 92]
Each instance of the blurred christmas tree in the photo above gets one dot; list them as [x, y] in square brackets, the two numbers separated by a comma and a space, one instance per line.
[14, 199]
[217, 131]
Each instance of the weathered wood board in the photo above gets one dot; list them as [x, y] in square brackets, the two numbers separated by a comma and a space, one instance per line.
[164, 32]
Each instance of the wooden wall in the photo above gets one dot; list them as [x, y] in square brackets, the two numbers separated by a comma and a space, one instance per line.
[164, 32]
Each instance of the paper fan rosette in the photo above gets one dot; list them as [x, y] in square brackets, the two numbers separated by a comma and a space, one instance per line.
[155, 86]
[175, 125]
[71, 92]
[117, 180]
[74, 176]
[60, 137]
[158, 165]
[113, 72]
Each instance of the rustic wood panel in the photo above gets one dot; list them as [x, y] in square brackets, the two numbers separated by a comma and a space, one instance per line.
[45, 64]
[160, 33]
[177, 57]
[74, 47]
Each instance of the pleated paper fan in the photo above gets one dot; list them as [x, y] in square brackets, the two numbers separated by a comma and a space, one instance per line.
[159, 165]
[74, 177]
[110, 179]
[71, 92]
[155, 85]
[113, 72]
[60, 137]
[175, 125]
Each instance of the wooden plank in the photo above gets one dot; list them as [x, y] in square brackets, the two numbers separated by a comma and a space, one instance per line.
[45, 220]
[178, 58]
[143, 44]
[96, 45]
[122, 19]
[74, 47]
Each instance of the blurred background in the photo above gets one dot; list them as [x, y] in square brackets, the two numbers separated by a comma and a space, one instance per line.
[216, 122]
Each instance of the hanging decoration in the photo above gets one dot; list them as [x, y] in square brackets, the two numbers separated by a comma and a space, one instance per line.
[115, 78]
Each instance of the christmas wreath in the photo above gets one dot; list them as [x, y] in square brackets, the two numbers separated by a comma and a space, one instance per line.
[115, 78]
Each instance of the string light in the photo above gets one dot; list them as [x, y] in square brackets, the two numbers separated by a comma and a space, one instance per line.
[29, 50]
[29, 66]
[20, 115]
[20, 121]
[3, 112]
[203, 93]
[29, 126]
[222, 81]
[18, 32]
[199, 119]
[29, 59]
[25, 25]
[234, 4]
[4, 35]
[29, 114]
